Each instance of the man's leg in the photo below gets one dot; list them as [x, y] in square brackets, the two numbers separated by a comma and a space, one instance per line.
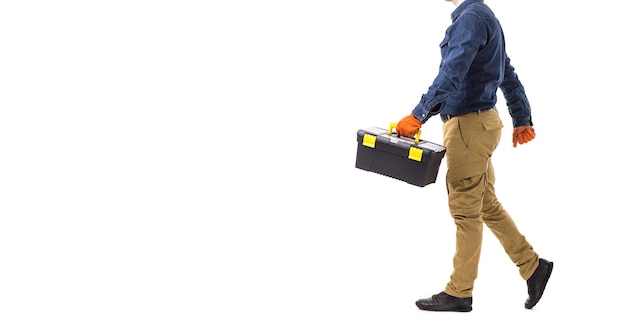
[465, 202]
[503, 227]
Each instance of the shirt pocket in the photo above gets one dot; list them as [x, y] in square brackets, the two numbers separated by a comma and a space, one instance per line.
[445, 41]
[492, 124]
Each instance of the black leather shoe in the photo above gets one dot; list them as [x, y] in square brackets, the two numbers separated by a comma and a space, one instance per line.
[445, 302]
[537, 282]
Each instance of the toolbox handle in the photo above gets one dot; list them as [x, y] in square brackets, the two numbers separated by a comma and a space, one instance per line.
[393, 126]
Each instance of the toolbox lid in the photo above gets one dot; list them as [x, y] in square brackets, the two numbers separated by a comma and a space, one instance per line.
[404, 141]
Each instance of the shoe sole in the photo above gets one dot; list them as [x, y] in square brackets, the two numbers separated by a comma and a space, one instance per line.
[545, 283]
[442, 310]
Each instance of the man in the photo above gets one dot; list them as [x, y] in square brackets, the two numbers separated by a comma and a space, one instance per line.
[474, 65]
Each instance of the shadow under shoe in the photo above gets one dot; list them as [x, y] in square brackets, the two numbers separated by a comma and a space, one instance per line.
[537, 282]
[445, 302]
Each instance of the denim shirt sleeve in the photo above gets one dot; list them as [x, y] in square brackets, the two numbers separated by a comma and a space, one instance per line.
[459, 48]
[515, 96]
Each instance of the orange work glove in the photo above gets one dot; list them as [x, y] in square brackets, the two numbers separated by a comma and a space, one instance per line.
[523, 134]
[408, 126]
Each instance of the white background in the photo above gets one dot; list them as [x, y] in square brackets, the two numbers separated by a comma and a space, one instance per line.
[188, 167]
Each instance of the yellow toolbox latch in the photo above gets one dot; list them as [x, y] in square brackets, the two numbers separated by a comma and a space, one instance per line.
[369, 140]
[415, 153]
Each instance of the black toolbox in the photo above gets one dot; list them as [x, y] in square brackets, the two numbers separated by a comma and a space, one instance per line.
[411, 160]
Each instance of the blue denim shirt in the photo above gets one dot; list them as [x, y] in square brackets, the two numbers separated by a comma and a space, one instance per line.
[474, 64]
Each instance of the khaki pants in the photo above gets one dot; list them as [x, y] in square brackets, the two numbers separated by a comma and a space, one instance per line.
[470, 141]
